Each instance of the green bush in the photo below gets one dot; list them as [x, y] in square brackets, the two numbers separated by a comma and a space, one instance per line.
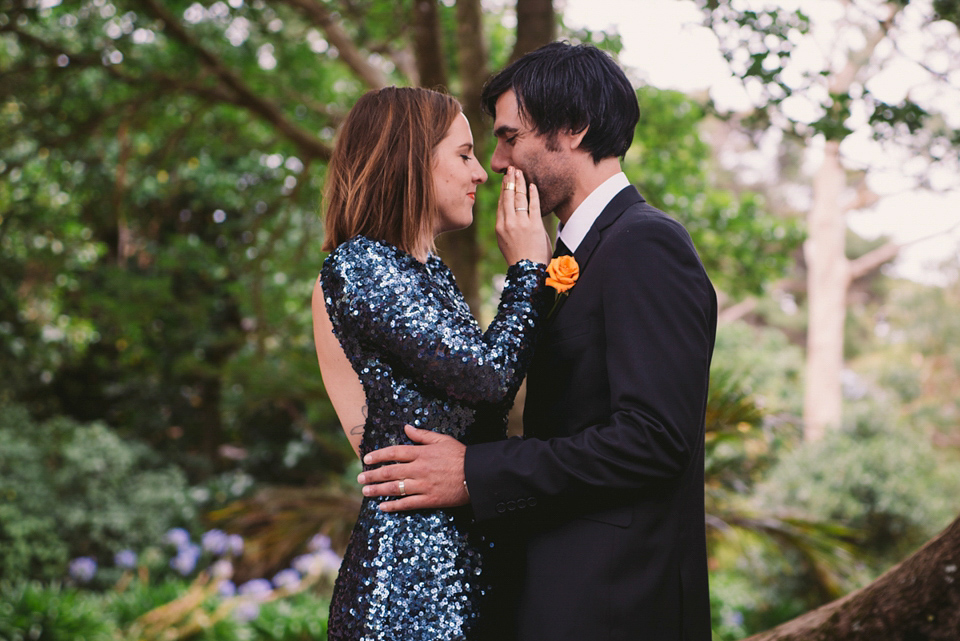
[30, 611]
[69, 489]
[885, 481]
[33, 612]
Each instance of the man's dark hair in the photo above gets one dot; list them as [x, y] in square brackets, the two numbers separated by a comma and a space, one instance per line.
[562, 87]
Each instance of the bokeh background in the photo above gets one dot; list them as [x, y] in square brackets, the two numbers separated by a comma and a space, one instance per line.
[170, 464]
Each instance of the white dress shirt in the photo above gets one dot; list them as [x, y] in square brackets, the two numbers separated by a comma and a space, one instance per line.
[583, 217]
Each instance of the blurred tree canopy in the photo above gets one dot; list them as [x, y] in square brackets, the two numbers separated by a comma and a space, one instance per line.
[161, 165]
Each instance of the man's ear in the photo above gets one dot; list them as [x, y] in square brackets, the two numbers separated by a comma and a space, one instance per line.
[576, 137]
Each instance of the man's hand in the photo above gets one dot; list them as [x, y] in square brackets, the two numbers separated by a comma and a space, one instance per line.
[432, 473]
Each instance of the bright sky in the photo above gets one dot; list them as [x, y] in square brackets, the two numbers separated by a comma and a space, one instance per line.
[665, 46]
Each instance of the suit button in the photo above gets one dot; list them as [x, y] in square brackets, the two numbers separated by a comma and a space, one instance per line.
[532, 501]
[521, 503]
[511, 505]
[501, 508]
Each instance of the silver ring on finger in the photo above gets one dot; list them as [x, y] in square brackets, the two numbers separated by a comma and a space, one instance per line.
[402, 486]
[520, 209]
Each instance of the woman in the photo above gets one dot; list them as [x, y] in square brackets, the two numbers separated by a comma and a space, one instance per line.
[402, 172]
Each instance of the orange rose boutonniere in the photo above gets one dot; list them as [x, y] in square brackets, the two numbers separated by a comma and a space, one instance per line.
[562, 274]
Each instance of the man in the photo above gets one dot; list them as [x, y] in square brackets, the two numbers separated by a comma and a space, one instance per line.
[606, 486]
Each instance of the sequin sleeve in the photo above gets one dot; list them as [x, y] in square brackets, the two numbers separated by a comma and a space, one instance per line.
[375, 294]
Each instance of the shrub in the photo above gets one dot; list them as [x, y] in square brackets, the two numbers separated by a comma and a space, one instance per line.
[883, 480]
[70, 490]
[33, 612]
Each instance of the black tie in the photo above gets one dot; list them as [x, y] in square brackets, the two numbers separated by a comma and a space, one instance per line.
[561, 249]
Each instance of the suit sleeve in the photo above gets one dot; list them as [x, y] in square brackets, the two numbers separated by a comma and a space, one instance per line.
[659, 319]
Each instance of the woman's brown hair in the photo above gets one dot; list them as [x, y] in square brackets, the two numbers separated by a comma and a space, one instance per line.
[379, 180]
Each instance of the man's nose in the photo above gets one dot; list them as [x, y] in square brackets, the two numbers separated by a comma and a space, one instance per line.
[500, 160]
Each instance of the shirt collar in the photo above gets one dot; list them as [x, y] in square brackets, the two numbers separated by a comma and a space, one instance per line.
[583, 217]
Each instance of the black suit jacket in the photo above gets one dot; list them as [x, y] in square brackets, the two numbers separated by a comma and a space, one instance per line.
[605, 489]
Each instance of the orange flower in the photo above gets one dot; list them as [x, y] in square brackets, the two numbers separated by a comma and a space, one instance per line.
[563, 273]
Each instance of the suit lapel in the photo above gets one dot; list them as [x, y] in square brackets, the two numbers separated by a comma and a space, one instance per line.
[627, 196]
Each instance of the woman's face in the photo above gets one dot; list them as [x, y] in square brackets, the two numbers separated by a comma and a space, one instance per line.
[456, 174]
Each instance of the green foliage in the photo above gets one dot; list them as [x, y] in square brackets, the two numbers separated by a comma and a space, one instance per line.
[68, 489]
[883, 480]
[30, 611]
[742, 245]
[160, 237]
[30, 543]
[768, 366]
[301, 617]
[947, 10]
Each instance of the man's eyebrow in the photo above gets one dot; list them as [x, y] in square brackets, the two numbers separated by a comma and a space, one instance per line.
[504, 130]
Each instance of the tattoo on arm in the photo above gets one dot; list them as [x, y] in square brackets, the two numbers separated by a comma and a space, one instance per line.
[358, 430]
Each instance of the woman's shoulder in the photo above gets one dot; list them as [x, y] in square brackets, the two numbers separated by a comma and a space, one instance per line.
[366, 259]
[361, 250]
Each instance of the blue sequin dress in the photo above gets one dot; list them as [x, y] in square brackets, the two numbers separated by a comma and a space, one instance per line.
[423, 360]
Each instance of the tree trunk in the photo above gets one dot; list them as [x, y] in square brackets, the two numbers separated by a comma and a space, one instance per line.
[536, 26]
[427, 44]
[827, 281]
[461, 249]
[918, 599]
[828, 275]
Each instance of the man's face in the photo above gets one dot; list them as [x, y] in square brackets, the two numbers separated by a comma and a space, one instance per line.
[545, 163]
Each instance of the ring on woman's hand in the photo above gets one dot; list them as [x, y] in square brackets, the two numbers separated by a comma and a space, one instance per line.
[520, 209]
[403, 490]
[510, 186]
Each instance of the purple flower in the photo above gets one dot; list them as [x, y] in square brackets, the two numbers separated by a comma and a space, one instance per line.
[246, 611]
[215, 542]
[307, 564]
[222, 569]
[331, 560]
[228, 589]
[126, 559]
[186, 560]
[83, 569]
[288, 579]
[235, 544]
[319, 542]
[257, 589]
[177, 537]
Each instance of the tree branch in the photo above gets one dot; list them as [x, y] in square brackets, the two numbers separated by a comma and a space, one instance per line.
[318, 15]
[737, 311]
[872, 260]
[860, 267]
[308, 144]
[916, 599]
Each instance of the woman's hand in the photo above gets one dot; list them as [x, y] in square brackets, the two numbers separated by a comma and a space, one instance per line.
[520, 230]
